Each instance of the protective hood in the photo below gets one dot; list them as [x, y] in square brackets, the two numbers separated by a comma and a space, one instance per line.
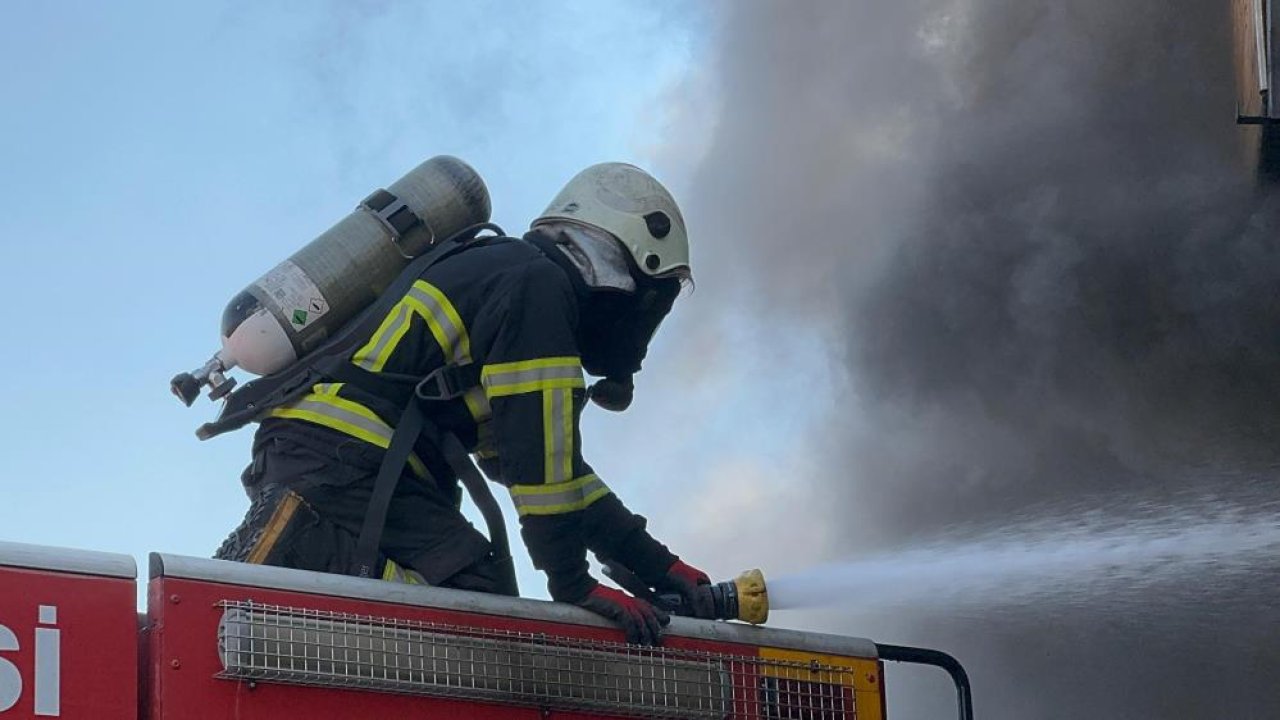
[600, 259]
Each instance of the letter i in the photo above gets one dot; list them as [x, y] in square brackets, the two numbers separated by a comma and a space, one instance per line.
[48, 664]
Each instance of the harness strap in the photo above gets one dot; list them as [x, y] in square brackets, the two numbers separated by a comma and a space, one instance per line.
[394, 214]
[444, 383]
[478, 489]
[384, 488]
[414, 423]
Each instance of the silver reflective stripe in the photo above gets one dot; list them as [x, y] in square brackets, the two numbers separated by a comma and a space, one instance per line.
[374, 427]
[373, 360]
[569, 499]
[451, 335]
[533, 375]
[558, 459]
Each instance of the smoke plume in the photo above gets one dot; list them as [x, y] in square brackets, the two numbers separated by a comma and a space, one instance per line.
[1025, 230]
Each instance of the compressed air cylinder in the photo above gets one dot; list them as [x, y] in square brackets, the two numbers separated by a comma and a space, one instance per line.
[297, 304]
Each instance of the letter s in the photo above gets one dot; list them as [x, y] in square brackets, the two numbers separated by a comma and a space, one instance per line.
[10, 678]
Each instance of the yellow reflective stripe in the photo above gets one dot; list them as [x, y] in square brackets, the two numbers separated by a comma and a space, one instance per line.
[484, 440]
[566, 419]
[548, 441]
[459, 346]
[534, 386]
[443, 337]
[547, 362]
[374, 355]
[478, 404]
[442, 318]
[559, 498]
[325, 407]
[515, 378]
[417, 466]
[305, 410]
[557, 435]
[393, 572]
[482, 414]
[547, 490]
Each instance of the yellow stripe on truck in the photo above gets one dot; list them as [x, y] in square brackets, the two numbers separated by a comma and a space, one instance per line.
[861, 674]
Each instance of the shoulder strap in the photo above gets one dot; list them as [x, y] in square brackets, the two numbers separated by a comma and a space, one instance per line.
[478, 489]
[384, 488]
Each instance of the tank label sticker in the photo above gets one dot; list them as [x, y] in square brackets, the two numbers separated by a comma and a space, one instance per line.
[299, 299]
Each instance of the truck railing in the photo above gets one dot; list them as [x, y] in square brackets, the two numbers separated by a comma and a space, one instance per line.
[939, 659]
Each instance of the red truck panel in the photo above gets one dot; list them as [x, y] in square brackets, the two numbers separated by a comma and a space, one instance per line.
[68, 645]
[228, 640]
[184, 620]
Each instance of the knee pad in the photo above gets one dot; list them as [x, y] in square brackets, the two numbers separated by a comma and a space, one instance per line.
[278, 521]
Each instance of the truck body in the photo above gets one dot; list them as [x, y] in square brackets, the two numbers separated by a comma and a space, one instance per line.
[230, 640]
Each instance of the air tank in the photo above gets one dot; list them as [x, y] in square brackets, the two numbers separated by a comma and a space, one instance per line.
[299, 303]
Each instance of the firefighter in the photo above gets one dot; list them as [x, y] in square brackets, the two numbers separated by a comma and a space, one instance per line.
[521, 319]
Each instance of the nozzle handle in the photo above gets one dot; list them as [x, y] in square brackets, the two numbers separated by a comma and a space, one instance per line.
[625, 579]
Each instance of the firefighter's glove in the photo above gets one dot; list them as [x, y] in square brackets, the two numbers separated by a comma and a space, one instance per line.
[642, 622]
[693, 585]
[612, 394]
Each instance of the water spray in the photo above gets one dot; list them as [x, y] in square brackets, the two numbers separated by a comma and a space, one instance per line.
[1076, 560]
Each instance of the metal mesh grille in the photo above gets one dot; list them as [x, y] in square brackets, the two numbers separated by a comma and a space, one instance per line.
[312, 647]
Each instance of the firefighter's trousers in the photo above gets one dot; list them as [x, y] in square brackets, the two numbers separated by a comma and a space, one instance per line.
[309, 495]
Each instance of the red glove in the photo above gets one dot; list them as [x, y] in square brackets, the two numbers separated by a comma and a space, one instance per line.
[641, 621]
[693, 585]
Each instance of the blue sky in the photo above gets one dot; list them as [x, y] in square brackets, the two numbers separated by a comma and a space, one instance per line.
[157, 157]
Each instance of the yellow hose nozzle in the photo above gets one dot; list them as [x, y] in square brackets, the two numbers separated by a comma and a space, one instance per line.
[753, 597]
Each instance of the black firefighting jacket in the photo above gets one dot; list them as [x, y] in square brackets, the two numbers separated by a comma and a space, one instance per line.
[509, 309]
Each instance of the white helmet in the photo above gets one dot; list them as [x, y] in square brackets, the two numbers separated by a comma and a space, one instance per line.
[630, 204]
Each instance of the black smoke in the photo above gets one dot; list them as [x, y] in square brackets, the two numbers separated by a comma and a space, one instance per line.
[1029, 232]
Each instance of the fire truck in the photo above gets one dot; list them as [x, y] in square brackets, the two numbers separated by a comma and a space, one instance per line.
[225, 640]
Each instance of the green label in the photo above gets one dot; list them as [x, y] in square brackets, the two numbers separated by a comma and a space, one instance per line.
[299, 317]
